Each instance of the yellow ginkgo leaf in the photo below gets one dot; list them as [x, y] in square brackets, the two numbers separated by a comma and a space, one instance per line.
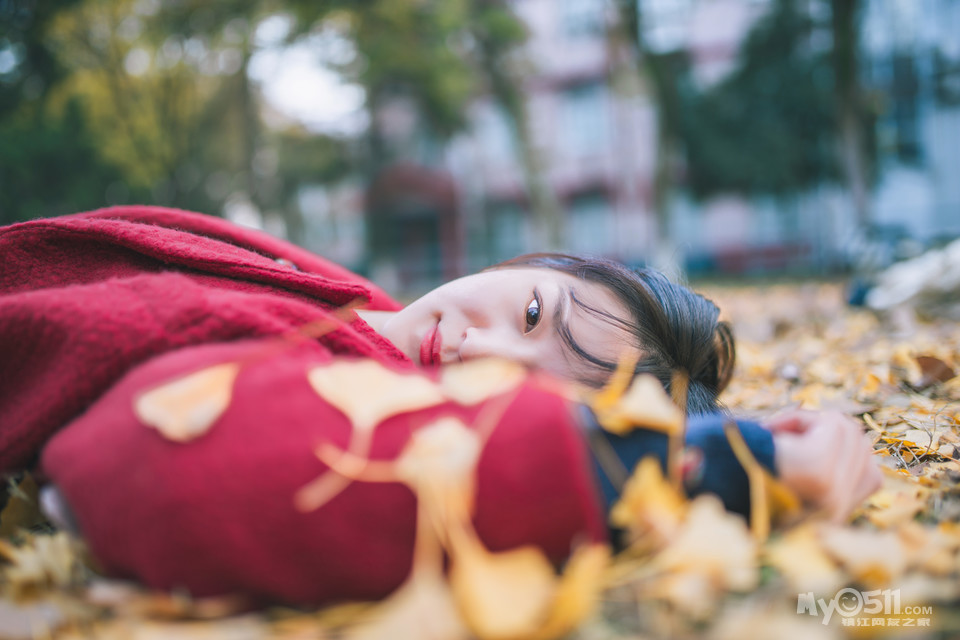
[476, 380]
[423, 606]
[645, 404]
[45, 560]
[929, 548]
[439, 465]
[187, 407]
[605, 399]
[896, 503]
[501, 595]
[420, 608]
[444, 452]
[578, 591]
[770, 499]
[874, 558]
[649, 505]
[801, 559]
[367, 392]
[714, 543]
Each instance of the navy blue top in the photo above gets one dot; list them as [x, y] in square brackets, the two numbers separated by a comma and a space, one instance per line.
[720, 472]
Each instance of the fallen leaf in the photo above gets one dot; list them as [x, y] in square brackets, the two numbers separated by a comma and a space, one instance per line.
[439, 464]
[892, 507]
[933, 370]
[906, 365]
[921, 439]
[770, 500]
[645, 404]
[474, 381]
[29, 620]
[42, 561]
[186, 408]
[501, 595]
[712, 551]
[762, 620]
[929, 549]
[248, 627]
[874, 558]
[422, 607]
[800, 558]
[22, 510]
[578, 592]
[368, 392]
[650, 508]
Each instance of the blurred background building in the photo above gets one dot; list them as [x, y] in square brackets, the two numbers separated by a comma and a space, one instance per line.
[419, 140]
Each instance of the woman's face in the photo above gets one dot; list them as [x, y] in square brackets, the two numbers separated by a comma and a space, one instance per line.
[511, 313]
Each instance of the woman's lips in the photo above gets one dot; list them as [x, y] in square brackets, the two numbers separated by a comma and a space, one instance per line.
[430, 347]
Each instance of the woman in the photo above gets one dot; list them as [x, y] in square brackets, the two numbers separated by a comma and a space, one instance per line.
[99, 309]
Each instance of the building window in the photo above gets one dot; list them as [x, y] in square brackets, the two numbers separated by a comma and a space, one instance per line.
[665, 23]
[590, 225]
[580, 18]
[509, 231]
[494, 131]
[585, 120]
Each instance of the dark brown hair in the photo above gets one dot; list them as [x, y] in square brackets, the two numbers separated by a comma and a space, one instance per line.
[676, 330]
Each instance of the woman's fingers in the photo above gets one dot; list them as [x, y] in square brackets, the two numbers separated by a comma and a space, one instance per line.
[848, 489]
[824, 458]
[805, 465]
[794, 421]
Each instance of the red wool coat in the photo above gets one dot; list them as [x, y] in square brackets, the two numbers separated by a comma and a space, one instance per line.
[96, 308]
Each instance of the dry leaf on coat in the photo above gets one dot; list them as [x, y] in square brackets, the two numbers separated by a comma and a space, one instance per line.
[186, 408]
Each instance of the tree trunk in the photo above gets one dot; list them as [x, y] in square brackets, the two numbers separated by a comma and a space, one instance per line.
[848, 99]
[662, 91]
[547, 214]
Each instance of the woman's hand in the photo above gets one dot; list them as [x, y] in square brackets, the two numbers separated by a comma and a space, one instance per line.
[825, 459]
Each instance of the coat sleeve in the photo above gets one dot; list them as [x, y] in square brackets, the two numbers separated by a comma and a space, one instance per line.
[62, 347]
[718, 470]
[84, 298]
[217, 514]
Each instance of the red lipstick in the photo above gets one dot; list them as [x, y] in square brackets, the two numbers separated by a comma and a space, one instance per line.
[430, 347]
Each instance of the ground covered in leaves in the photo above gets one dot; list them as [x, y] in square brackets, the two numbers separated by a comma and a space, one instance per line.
[694, 571]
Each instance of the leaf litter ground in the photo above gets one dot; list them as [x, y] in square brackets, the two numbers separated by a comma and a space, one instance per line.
[692, 571]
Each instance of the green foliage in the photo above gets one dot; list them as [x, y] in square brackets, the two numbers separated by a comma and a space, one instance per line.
[22, 29]
[409, 48]
[79, 119]
[769, 128]
[50, 166]
[304, 157]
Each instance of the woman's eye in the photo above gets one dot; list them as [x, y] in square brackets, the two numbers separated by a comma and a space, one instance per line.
[532, 315]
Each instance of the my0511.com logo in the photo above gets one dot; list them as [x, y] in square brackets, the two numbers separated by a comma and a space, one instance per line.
[877, 608]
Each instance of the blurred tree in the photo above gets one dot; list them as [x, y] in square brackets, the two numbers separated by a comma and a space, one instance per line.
[159, 102]
[156, 83]
[28, 68]
[48, 160]
[434, 57]
[499, 34]
[772, 126]
[852, 117]
[304, 158]
[170, 100]
[660, 71]
[50, 166]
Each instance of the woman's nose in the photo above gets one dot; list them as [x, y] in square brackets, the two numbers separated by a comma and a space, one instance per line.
[489, 342]
[473, 345]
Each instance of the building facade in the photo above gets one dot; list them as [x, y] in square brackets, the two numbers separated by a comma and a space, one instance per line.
[594, 138]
